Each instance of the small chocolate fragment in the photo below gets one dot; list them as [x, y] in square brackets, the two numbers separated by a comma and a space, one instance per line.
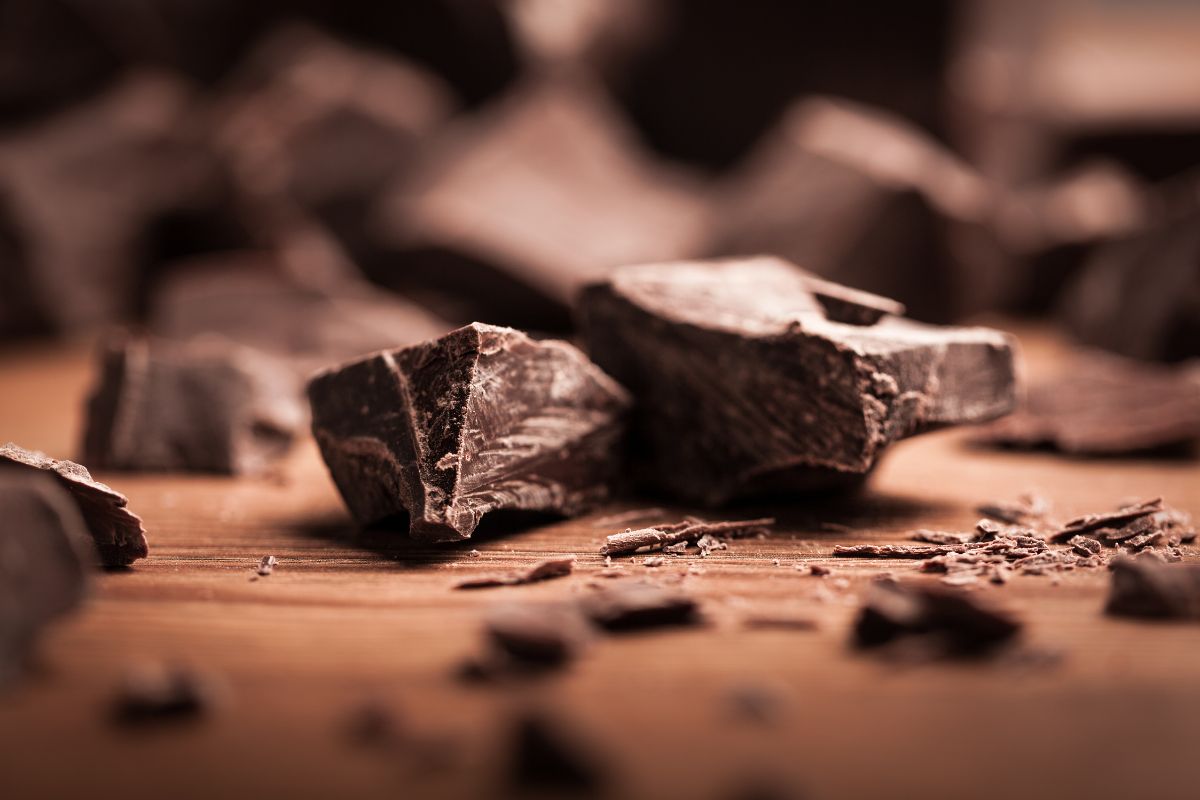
[894, 550]
[546, 758]
[538, 635]
[546, 570]
[515, 209]
[267, 565]
[957, 622]
[45, 562]
[1113, 520]
[1105, 405]
[158, 694]
[746, 387]
[484, 418]
[1146, 587]
[117, 531]
[635, 606]
[667, 536]
[942, 537]
[205, 406]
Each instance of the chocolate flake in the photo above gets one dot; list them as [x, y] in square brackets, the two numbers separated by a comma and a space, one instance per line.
[894, 550]
[543, 571]
[117, 532]
[484, 418]
[680, 532]
[746, 387]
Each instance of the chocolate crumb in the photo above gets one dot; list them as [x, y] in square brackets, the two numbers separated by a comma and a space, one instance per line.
[636, 606]
[686, 531]
[267, 565]
[654, 561]
[817, 570]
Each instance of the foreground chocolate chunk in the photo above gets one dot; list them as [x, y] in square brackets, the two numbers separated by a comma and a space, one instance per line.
[1144, 586]
[745, 385]
[953, 620]
[206, 406]
[45, 561]
[1098, 404]
[548, 758]
[516, 209]
[858, 196]
[484, 418]
[116, 531]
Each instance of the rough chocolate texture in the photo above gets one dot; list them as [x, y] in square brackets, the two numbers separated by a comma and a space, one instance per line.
[517, 208]
[1106, 405]
[45, 560]
[207, 406]
[745, 386]
[1144, 586]
[484, 418]
[116, 531]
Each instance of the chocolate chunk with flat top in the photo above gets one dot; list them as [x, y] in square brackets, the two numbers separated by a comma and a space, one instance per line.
[205, 406]
[45, 560]
[484, 418]
[745, 385]
[117, 531]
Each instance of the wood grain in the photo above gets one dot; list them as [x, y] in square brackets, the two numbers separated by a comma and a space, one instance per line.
[350, 617]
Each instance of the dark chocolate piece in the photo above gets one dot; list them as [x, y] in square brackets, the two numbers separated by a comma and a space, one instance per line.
[857, 196]
[1030, 510]
[484, 418]
[546, 570]
[205, 406]
[1123, 516]
[1146, 587]
[546, 758]
[1105, 405]
[161, 694]
[745, 386]
[636, 606]
[514, 210]
[667, 536]
[895, 550]
[959, 623]
[46, 557]
[545, 635]
[117, 531]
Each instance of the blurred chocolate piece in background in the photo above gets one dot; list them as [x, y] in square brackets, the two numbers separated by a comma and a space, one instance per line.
[1101, 404]
[46, 558]
[115, 529]
[1144, 586]
[204, 406]
[936, 619]
[483, 419]
[860, 196]
[253, 299]
[745, 386]
[515, 209]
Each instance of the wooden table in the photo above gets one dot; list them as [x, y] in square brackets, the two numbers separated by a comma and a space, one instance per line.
[349, 619]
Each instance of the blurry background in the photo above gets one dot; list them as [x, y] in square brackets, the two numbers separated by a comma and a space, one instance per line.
[376, 172]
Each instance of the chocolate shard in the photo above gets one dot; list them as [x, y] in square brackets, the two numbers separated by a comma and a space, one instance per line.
[514, 210]
[858, 196]
[205, 406]
[1144, 586]
[484, 418]
[745, 386]
[1091, 523]
[45, 560]
[116, 531]
[957, 622]
[1099, 405]
[544, 571]
[678, 534]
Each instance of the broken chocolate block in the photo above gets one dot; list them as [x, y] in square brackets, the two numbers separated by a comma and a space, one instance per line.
[516, 209]
[117, 531]
[205, 406]
[1100, 404]
[745, 386]
[250, 299]
[1110, 521]
[484, 418]
[958, 623]
[45, 561]
[1146, 587]
[857, 196]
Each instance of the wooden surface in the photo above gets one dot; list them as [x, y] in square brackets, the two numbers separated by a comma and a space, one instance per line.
[347, 619]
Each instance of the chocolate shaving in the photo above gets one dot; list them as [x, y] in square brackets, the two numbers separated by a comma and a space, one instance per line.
[267, 565]
[894, 550]
[543, 571]
[1114, 519]
[661, 536]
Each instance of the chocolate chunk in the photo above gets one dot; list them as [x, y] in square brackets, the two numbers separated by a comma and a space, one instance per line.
[667, 536]
[857, 196]
[1146, 587]
[117, 531]
[517, 208]
[157, 694]
[546, 570]
[45, 560]
[250, 298]
[484, 418]
[959, 623]
[205, 406]
[942, 537]
[547, 758]
[745, 387]
[635, 606]
[546, 635]
[1084, 545]
[1105, 405]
